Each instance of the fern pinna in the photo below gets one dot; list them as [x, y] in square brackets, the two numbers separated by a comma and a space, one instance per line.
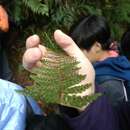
[57, 81]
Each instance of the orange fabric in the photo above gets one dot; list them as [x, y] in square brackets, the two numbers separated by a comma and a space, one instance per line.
[4, 23]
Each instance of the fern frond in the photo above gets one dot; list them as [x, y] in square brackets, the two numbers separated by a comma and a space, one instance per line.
[37, 6]
[58, 82]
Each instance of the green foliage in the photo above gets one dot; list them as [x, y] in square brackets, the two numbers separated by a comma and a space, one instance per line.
[50, 43]
[65, 13]
[58, 82]
[118, 14]
[37, 6]
[15, 9]
[53, 14]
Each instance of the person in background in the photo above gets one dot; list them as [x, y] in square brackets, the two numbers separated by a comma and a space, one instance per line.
[92, 35]
[125, 50]
[13, 107]
[5, 71]
[125, 44]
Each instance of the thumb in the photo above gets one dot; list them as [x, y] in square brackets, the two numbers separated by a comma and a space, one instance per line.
[70, 47]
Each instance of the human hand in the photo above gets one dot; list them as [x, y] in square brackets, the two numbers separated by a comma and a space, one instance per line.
[35, 52]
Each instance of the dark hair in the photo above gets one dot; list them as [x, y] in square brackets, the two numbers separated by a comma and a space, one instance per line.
[5, 2]
[89, 30]
[125, 44]
[50, 122]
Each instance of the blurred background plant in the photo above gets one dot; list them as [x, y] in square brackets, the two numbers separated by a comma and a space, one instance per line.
[52, 14]
[39, 16]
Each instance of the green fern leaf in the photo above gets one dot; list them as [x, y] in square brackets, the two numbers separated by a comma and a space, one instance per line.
[57, 82]
[37, 6]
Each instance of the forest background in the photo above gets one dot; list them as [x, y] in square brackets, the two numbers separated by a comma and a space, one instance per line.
[29, 17]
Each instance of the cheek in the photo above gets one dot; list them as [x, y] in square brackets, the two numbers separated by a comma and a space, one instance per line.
[92, 53]
[93, 56]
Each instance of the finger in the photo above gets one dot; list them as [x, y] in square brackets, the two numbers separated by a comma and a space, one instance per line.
[43, 50]
[69, 46]
[32, 41]
[32, 57]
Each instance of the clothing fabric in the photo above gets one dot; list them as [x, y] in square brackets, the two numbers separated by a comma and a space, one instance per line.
[123, 112]
[13, 107]
[115, 66]
[50, 122]
[114, 89]
[99, 115]
[5, 71]
[113, 74]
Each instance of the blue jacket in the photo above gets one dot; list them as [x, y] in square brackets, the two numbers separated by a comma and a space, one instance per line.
[115, 66]
[112, 74]
[13, 107]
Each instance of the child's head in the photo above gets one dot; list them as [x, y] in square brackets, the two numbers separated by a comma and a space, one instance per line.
[89, 30]
[92, 34]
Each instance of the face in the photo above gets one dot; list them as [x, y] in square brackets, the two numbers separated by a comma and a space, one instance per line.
[94, 54]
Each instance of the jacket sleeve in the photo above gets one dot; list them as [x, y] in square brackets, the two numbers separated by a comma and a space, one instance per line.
[12, 108]
[114, 90]
[127, 85]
